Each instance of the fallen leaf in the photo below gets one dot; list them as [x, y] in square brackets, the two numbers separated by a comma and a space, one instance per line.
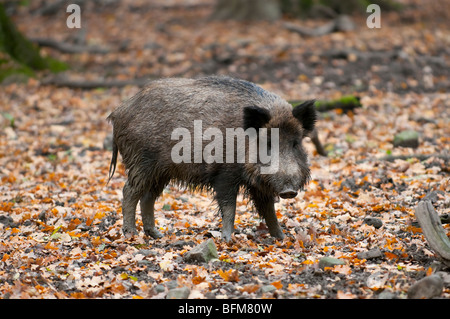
[231, 275]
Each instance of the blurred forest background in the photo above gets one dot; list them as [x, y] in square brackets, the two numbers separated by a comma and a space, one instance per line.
[271, 40]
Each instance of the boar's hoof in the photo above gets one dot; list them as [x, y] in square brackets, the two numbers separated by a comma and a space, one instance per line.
[226, 237]
[154, 233]
[128, 233]
[277, 234]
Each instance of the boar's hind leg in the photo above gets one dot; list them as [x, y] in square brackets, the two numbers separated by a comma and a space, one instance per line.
[148, 212]
[265, 206]
[130, 200]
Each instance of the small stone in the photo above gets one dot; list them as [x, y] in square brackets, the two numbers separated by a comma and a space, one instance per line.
[387, 295]
[144, 262]
[407, 139]
[178, 293]
[204, 252]
[344, 23]
[172, 284]
[7, 221]
[376, 280]
[372, 221]
[370, 254]
[145, 252]
[160, 288]
[268, 288]
[181, 243]
[426, 288]
[330, 262]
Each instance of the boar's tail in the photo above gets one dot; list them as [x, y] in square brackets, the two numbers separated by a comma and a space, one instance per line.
[112, 166]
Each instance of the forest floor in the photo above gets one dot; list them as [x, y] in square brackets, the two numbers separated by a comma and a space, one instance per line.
[60, 222]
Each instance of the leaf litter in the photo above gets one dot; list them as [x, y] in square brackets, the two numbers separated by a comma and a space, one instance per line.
[60, 223]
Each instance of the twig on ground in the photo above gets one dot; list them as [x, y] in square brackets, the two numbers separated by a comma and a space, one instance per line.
[93, 84]
[68, 47]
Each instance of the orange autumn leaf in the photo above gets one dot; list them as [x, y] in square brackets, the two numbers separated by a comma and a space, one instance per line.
[6, 206]
[414, 230]
[345, 295]
[342, 269]
[277, 284]
[198, 279]
[96, 241]
[390, 255]
[89, 221]
[99, 215]
[73, 224]
[118, 288]
[50, 245]
[9, 179]
[250, 288]
[182, 224]
[231, 275]
[77, 295]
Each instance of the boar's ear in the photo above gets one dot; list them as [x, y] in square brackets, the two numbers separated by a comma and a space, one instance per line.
[255, 117]
[306, 114]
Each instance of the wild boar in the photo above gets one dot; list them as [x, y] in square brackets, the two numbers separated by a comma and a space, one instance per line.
[216, 133]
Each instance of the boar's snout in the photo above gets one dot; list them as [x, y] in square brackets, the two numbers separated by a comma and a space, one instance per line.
[288, 193]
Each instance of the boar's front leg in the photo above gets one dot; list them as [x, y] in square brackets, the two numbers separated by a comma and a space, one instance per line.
[147, 204]
[265, 205]
[226, 198]
[228, 210]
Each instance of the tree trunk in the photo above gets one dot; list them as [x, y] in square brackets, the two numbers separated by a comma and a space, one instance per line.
[21, 50]
[16, 45]
[247, 10]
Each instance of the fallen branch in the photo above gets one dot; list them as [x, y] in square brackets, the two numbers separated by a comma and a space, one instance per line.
[94, 84]
[316, 32]
[433, 230]
[444, 219]
[316, 141]
[68, 47]
[54, 7]
[341, 23]
[420, 157]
